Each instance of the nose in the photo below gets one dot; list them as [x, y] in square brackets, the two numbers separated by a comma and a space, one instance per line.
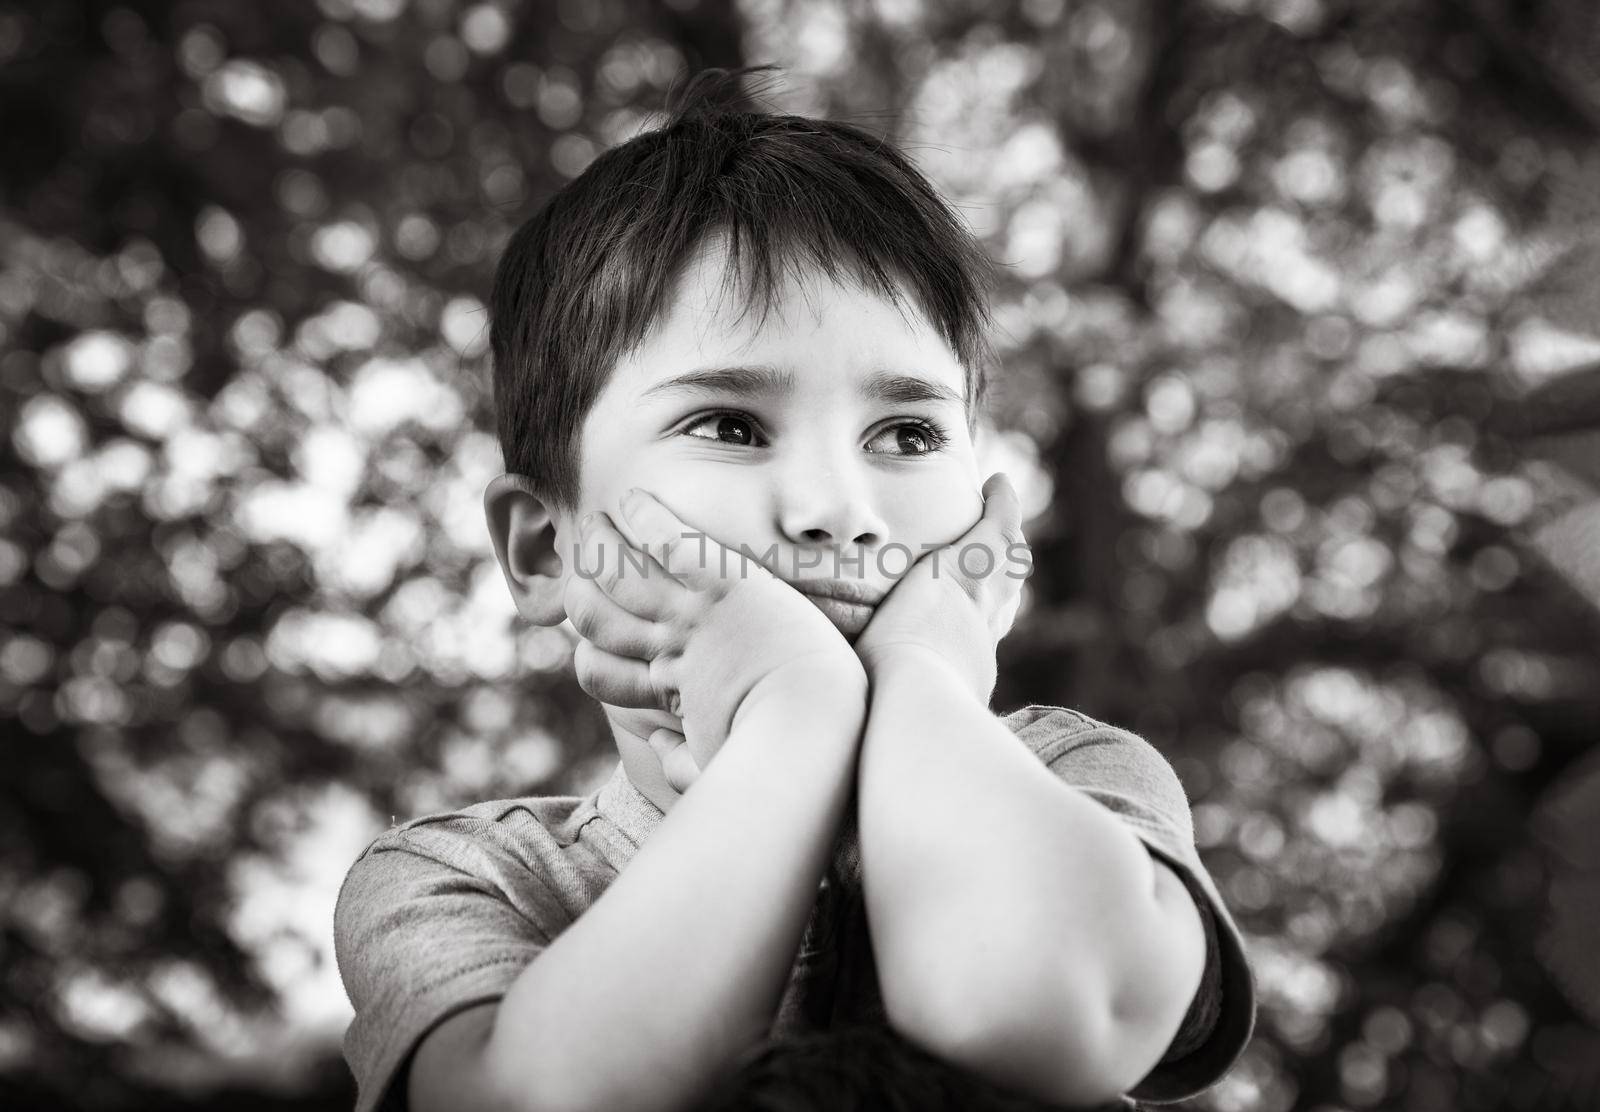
[828, 505]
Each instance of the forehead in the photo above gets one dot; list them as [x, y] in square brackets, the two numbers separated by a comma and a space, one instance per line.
[717, 313]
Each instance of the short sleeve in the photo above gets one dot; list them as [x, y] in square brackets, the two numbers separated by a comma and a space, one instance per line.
[423, 928]
[1130, 777]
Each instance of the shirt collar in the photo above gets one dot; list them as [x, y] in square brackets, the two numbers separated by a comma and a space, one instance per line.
[627, 808]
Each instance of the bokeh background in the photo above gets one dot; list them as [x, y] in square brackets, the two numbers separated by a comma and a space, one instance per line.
[1300, 316]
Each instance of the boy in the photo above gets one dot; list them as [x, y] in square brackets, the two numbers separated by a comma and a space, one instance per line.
[774, 327]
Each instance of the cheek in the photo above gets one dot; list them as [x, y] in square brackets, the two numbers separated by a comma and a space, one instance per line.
[690, 494]
[938, 513]
[722, 502]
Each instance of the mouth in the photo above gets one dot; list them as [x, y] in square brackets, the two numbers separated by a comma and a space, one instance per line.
[847, 603]
[845, 590]
[849, 618]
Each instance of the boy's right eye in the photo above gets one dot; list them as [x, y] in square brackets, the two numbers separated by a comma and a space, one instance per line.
[727, 428]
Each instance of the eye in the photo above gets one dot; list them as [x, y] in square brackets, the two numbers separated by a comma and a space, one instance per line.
[910, 438]
[726, 428]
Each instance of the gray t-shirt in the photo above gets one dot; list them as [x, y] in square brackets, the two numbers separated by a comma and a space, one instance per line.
[443, 912]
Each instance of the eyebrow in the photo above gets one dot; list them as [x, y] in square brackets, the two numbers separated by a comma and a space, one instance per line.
[763, 379]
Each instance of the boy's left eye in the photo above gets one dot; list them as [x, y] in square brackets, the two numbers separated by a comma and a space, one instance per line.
[727, 428]
[910, 438]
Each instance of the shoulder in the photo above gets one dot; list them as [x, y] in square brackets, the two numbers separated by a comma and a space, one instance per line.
[503, 861]
[1115, 766]
[442, 912]
[494, 821]
[500, 842]
[1040, 719]
[1053, 731]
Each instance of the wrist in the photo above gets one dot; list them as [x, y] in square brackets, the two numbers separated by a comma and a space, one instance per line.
[899, 658]
[819, 687]
[920, 664]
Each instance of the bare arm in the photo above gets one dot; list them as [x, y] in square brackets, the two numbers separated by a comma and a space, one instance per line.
[681, 963]
[1036, 941]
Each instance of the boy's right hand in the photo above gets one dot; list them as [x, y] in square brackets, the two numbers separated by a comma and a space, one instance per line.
[674, 621]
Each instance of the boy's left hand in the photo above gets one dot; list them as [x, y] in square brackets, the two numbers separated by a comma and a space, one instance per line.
[958, 601]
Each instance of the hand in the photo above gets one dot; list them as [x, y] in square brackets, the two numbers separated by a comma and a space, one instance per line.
[959, 600]
[672, 621]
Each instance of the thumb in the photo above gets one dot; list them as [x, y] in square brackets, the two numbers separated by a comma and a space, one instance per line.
[996, 537]
[677, 763]
[1002, 510]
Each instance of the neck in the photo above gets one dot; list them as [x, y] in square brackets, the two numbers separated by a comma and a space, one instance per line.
[631, 730]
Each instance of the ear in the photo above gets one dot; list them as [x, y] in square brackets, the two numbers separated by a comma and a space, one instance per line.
[526, 542]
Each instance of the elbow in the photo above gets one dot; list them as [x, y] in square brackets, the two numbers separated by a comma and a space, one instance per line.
[1032, 1034]
[529, 1083]
[544, 1095]
[565, 1081]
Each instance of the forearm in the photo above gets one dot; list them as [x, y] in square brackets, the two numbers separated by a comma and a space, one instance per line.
[996, 894]
[680, 964]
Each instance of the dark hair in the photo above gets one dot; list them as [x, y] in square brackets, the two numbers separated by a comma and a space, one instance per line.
[861, 1068]
[581, 282]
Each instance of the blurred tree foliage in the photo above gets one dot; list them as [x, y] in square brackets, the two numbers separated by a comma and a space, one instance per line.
[1291, 295]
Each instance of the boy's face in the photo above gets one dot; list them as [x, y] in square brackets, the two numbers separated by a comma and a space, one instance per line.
[863, 453]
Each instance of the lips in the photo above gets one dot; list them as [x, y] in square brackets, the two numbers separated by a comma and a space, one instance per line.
[847, 603]
[849, 618]
[844, 590]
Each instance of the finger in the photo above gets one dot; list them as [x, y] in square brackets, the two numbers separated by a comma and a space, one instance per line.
[663, 740]
[677, 762]
[600, 620]
[617, 680]
[689, 555]
[680, 768]
[630, 576]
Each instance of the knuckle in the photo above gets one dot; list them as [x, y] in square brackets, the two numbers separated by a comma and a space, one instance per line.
[653, 594]
[583, 614]
[584, 666]
[660, 673]
[667, 695]
[668, 635]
